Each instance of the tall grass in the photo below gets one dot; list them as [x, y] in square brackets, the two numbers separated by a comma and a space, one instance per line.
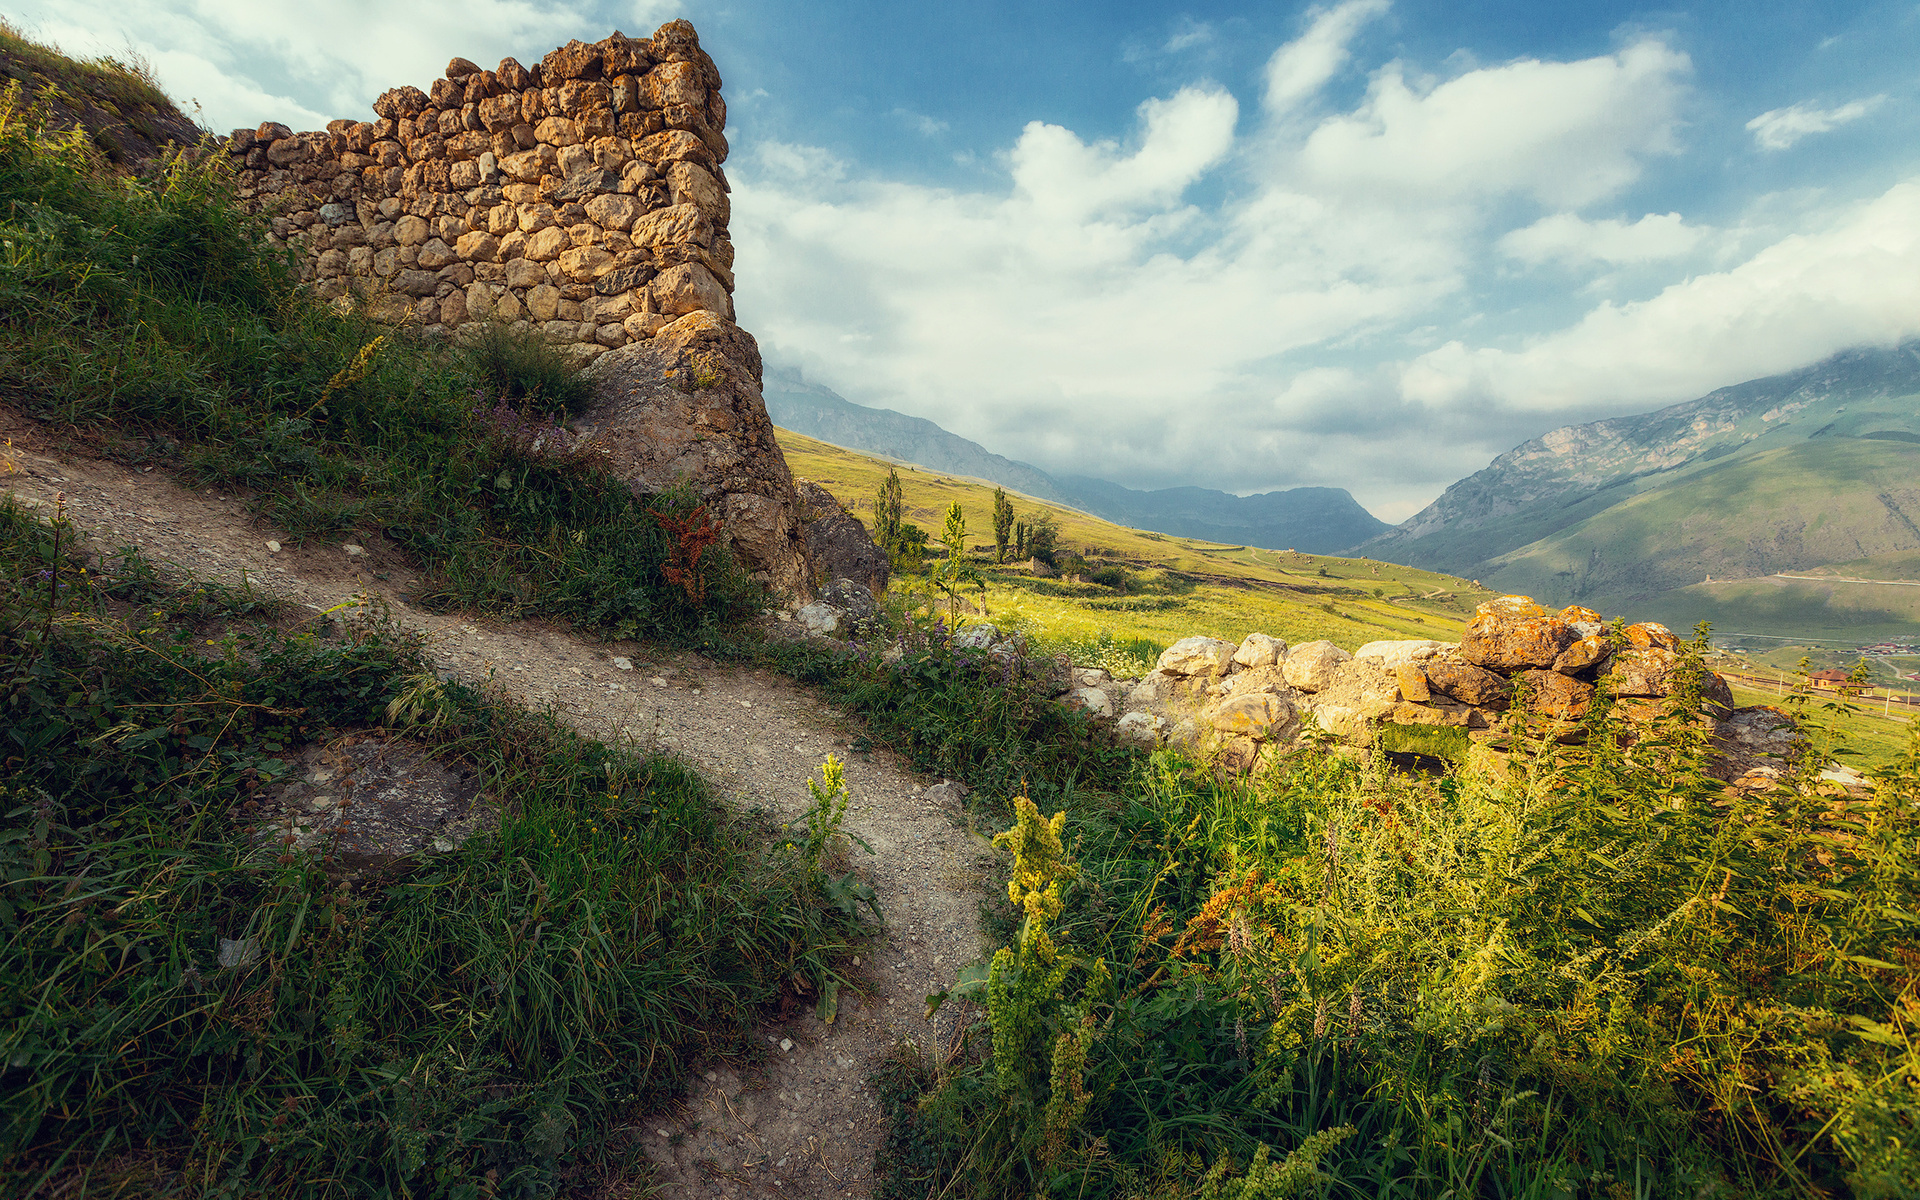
[1604, 976]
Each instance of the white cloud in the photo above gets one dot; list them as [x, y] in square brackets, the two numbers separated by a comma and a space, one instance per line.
[249, 62]
[1086, 312]
[1853, 282]
[1780, 128]
[1302, 67]
[1190, 35]
[1566, 134]
[1570, 239]
[1183, 136]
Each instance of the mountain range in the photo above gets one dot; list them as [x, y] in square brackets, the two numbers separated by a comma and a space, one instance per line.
[1316, 520]
[1790, 474]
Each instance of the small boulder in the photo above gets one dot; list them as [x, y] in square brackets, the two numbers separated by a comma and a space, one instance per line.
[1589, 652]
[1197, 656]
[1466, 682]
[1757, 739]
[1264, 716]
[1141, 729]
[1413, 682]
[1512, 633]
[1092, 699]
[822, 620]
[1651, 635]
[1551, 694]
[976, 637]
[851, 597]
[838, 545]
[1643, 671]
[1259, 650]
[1392, 653]
[1310, 667]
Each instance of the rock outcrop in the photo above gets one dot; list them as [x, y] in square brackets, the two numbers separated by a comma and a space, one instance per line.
[1247, 703]
[839, 546]
[683, 409]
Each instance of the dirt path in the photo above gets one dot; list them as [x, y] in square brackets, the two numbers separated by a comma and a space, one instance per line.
[800, 1124]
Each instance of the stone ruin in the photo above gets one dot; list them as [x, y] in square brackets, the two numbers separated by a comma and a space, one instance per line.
[1243, 706]
[582, 195]
[583, 198]
[1248, 703]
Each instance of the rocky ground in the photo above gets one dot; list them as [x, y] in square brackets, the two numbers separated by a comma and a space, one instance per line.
[802, 1121]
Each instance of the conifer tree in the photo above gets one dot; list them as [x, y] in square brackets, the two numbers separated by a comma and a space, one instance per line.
[1002, 523]
[889, 513]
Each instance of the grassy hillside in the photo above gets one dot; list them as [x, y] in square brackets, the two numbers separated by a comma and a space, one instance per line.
[1170, 587]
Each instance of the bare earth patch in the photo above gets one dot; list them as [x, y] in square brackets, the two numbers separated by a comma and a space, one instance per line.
[802, 1122]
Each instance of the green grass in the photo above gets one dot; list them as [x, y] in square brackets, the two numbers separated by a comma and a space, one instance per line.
[1172, 587]
[476, 1022]
[127, 85]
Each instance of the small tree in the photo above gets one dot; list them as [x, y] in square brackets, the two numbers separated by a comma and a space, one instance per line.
[1002, 523]
[1042, 536]
[889, 514]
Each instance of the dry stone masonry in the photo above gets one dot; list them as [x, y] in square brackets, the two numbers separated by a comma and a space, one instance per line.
[582, 195]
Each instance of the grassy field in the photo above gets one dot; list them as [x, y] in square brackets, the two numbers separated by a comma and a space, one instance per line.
[1173, 587]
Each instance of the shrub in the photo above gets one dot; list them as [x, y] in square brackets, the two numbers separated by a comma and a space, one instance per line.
[526, 369]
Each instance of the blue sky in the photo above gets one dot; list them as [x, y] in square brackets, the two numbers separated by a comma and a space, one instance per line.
[1367, 244]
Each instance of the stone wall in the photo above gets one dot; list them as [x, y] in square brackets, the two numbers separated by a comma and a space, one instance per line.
[582, 195]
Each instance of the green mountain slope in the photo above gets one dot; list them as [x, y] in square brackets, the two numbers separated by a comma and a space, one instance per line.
[1786, 474]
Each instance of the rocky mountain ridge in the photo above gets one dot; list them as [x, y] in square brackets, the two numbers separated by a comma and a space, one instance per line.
[1784, 473]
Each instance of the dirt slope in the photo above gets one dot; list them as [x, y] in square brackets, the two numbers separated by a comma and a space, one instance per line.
[802, 1123]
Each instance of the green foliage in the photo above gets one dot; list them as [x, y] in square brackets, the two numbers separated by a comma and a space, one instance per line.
[889, 517]
[955, 572]
[1606, 972]
[185, 1006]
[1002, 524]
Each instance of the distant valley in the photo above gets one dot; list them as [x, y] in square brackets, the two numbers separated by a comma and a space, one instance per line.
[1312, 519]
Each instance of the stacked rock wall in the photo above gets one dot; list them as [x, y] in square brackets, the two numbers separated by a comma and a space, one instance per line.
[1250, 701]
[582, 195]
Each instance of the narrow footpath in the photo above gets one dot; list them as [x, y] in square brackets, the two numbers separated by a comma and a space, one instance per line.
[802, 1121]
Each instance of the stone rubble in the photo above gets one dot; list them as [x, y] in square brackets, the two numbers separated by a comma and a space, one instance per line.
[1245, 705]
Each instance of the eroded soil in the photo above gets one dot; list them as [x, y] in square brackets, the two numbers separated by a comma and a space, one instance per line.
[801, 1122]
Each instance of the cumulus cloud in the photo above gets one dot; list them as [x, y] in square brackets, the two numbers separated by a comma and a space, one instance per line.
[1566, 134]
[1299, 69]
[1854, 281]
[1088, 313]
[1781, 128]
[1571, 239]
